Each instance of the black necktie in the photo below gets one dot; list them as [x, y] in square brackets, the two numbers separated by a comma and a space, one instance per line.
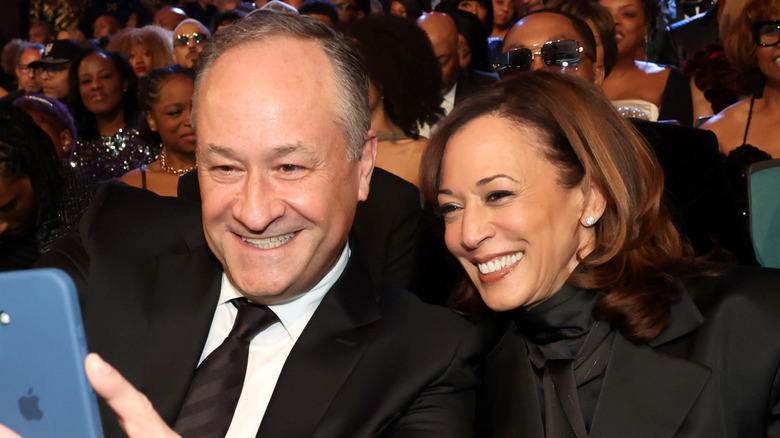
[213, 395]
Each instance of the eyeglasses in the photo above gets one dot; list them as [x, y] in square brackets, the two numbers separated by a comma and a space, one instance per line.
[24, 68]
[767, 33]
[556, 55]
[184, 39]
[47, 71]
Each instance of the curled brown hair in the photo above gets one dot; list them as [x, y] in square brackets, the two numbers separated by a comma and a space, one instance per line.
[639, 255]
[740, 46]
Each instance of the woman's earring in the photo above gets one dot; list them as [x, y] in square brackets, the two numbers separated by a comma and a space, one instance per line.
[589, 221]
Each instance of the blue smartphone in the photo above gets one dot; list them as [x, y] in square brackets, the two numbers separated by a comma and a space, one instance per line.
[44, 391]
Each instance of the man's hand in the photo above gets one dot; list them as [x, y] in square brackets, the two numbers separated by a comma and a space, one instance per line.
[133, 410]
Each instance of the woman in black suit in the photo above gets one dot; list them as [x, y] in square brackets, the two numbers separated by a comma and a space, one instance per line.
[607, 327]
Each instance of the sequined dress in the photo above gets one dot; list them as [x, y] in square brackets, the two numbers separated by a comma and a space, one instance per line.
[106, 158]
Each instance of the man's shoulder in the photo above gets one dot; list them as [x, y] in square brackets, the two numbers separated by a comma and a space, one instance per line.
[407, 314]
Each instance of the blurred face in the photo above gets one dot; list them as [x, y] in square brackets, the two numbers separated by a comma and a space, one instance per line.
[347, 10]
[100, 84]
[443, 34]
[169, 18]
[170, 115]
[768, 57]
[630, 24]
[38, 34]
[515, 230]
[475, 8]
[186, 53]
[534, 30]
[503, 13]
[140, 59]
[28, 81]
[18, 211]
[54, 78]
[397, 8]
[279, 191]
[103, 26]
[464, 52]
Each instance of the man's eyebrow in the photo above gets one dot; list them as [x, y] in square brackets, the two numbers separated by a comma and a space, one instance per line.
[277, 151]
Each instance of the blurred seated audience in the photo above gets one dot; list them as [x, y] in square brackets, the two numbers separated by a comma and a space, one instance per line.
[601, 23]
[166, 99]
[639, 88]
[225, 18]
[351, 10]
[41, 198]
[40, 32]
[405, 8]
[168, 17]
[201, 10]
[106, 111]
[323, 10]
[403, 86]
[146, 48]
[105, 26]
[552, 203]
[54, 69]
[26, 80]
[72, 33]
[505, 15]
[713, 82]
[189, 37]
[482, 9]
[703, 203]
[53, 117]
[749, 130]
[473, 52]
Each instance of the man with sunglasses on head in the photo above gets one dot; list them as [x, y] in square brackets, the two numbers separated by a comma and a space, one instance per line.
[53, 68]
[705, 207]
[188, 40]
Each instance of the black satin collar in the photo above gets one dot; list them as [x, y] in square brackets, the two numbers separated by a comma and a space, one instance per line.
[568, 314]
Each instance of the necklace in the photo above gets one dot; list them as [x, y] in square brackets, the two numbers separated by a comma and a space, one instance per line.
[172, 171]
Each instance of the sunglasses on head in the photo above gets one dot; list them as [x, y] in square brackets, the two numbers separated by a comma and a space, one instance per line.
[555, 55]
[184, 39]
[767, 33]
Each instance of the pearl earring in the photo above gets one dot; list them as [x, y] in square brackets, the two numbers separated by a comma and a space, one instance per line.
[589, 221]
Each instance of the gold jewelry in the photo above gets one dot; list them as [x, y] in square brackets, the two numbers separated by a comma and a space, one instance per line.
[172, 171]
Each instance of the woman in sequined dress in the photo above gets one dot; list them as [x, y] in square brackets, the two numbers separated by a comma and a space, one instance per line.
[106, 112]
[166, 97]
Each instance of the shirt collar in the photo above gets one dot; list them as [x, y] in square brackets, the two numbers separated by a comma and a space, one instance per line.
[293, 314]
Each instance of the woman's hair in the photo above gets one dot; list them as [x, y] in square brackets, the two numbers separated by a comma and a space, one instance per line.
[149, 88]
[740, 45]
[26, 151]
[52, 110]
[638, 255]
[403, 68]
[85, 120]
[157, 41]
[469, 26]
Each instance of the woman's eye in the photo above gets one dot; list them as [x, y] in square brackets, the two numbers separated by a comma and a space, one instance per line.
[173, 113]
[446, 210]
[498, 195]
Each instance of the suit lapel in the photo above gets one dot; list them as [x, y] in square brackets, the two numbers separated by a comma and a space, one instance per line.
[179, 317]
[646, 393]
[330, 346]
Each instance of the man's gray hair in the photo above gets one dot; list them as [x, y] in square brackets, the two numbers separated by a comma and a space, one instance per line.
[350, 76]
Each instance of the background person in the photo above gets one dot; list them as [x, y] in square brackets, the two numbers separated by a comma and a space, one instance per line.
[146, 48]
[189, 38]
[53, 69]
[166, 99]
[53, 117]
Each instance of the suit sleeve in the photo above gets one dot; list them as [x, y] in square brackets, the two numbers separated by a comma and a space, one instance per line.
[446, 407]
[773, 420]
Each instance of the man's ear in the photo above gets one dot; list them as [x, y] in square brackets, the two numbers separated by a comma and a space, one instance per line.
[366, 164]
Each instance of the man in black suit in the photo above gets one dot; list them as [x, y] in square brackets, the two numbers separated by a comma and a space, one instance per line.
[284, 156]
[696, 191]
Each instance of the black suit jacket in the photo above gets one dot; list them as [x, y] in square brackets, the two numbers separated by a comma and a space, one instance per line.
[364, 365]
[712, 373]
[704, 205]
[684, 38]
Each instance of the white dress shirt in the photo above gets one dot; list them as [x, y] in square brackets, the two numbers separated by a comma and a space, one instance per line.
[447, 103]
[268, 350]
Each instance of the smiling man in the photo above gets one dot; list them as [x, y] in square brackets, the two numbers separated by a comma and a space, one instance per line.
[284, 156]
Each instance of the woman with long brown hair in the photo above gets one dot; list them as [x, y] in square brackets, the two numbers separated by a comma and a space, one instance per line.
[606, 325]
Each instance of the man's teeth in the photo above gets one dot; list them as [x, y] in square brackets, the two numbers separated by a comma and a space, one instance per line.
[499, 263]
[269, 242]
